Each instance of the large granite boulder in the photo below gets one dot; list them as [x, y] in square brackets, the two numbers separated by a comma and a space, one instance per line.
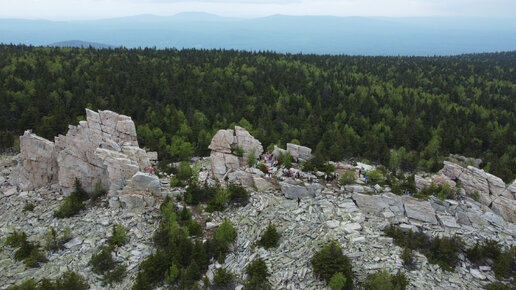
[38, 162]
[293, 191]
[299, 152]
[505, 207]
[296, 151]
[223, 145]
[102, 149]
[241, 177]
[146, 182]
[222, 141]
[371, 204]
[511, 189]
[420, 210]
[474, 180]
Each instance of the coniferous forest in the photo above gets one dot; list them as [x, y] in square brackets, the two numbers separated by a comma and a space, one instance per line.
[406, 112]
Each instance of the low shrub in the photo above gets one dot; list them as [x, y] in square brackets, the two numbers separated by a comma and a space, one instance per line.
[285, 159]
[269, 238]
[114, 276]
[68, 281]
[505, 265]
[441, 251]
[375, 176]
[15, 239]
[222, 278]
[263, 168]
[185, 214]
[196, 193]
[251, 158]
[71, 281]
[29, 284]
[194, 228]
[347, 177]
[488, 249]
[330, 260]
[175, 182]
[401, 184]
[98, 192]
[225, 233]
[74, 203]
[257, 272]
[497, 286]
[384, 281]
[337, 281]
[102, 261]
[184, 171]
[53, 242]
[28, 206]
[238, 151]
[238, 194]
[118, 235]
[408, 257]
[27, 252]
[220, 201]
[441, 191]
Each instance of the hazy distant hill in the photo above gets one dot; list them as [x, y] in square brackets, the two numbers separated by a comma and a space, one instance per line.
[292, 34]
[80, 44]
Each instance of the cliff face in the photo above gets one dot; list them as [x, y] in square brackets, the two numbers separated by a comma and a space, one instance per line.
[101, 149]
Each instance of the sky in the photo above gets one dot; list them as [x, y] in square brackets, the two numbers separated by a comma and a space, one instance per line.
[97, 9]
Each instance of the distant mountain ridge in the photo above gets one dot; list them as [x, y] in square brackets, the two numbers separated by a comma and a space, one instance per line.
[80, 44]
[280, 33]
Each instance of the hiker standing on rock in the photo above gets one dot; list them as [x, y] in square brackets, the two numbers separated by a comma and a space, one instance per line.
[298, 201]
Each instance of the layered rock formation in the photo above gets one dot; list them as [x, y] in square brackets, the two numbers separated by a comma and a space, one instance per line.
[101, 149]
[223, 148]
[296, 151]
[490, 189]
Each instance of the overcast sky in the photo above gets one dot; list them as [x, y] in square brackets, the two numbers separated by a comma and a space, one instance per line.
[93, 9]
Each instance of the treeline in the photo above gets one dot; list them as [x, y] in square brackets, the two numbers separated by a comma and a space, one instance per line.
[406, 112]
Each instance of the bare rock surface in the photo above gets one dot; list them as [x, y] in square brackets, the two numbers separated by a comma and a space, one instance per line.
[490, 189]
[223, 148]
[102, 149]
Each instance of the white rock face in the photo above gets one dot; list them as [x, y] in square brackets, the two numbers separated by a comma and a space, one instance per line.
[38, 162]
[505, 207]
[101, 149]
[491, 189]
[222, 145]
[146, 182]
[292, 191]
[299, 152]
[419, 210]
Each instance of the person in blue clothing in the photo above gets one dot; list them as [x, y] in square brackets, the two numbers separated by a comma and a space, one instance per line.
[366, 179]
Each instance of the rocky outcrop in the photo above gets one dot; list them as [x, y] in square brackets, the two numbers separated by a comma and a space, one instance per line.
[299, 152]
[419, 210]
[103, 148]
[491, 190]
[505, 207]
[38, 162]
[296, 151]
[223, 148]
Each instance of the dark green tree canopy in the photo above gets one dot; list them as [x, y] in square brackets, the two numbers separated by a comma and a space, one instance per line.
[341, 106]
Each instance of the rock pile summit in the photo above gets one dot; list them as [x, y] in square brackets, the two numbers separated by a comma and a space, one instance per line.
[224, 150]
[102, 149]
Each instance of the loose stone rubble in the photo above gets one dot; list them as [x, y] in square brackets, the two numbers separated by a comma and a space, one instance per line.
[89, 229]
[353, 215]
